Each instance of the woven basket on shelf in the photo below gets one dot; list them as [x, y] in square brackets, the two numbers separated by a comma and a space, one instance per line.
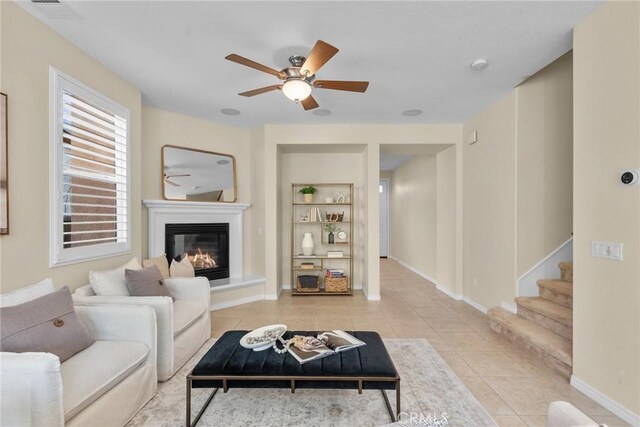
[336, 284]
[307, 283]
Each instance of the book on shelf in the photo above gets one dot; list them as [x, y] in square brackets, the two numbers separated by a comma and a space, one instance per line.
[328, 343]
[307, 266]
[335, 254]
[335, 273]
[314, 215]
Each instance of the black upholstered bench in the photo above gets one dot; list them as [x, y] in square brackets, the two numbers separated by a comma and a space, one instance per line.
[229, 365]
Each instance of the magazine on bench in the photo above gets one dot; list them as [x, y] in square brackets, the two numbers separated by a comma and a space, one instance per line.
[325, 344]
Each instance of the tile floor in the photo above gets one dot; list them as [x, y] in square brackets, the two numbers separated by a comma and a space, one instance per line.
[513, 387]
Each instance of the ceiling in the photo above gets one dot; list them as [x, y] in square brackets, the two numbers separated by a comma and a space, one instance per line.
[415, 54]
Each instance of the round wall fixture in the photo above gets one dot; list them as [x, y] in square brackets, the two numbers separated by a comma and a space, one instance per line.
[479, 64]
[230, 111]
[411, 113]
[321, 113]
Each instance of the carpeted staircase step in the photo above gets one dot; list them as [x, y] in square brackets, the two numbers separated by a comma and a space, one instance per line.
[558, 291]
[554, 317]
[566, 271]
[553, 349]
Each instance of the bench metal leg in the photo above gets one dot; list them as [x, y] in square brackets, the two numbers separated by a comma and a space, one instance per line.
[386, 401]
[204, 407]
[394, 418]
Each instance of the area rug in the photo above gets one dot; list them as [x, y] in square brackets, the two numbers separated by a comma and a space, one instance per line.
[432, 395]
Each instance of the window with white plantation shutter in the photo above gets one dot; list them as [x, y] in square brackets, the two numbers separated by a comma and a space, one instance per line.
[90, 194]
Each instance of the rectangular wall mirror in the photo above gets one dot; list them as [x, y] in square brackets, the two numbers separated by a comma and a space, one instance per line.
[198, 175]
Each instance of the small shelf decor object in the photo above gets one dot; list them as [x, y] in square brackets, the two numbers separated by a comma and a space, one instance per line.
[307, 193]
[314, 225]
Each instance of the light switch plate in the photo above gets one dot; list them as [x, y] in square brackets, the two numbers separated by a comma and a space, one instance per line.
[606, 250]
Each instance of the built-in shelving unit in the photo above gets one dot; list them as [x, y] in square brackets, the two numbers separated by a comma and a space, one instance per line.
[321, 261]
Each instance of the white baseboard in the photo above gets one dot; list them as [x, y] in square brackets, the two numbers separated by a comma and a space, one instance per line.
[415, 270]
[239, 301]
[509, 307]
[430, 278]
[475, 305]
[606, 401]
[274, 297]
[448, 292]
[373, 297]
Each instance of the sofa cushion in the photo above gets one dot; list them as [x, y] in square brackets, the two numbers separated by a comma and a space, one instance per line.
[112, 282]
[27, 293]
[182, 268]
[161, 262]
[147, 282]
[96, 370]
[47, 324]
[185, 313]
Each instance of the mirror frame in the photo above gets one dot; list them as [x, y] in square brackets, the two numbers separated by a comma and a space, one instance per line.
[235, 176]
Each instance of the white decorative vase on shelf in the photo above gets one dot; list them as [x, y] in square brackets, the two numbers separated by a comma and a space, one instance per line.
[307, 244]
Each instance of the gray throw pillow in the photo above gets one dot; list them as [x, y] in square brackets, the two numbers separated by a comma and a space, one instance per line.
[147, 282]
[47, 324]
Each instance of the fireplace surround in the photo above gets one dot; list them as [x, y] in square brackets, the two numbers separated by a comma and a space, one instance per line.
[163, 212]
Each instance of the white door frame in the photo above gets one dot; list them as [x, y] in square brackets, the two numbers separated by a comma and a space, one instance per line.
[388, 215]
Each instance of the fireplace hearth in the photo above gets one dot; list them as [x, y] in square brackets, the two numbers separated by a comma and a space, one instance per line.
[206, 246]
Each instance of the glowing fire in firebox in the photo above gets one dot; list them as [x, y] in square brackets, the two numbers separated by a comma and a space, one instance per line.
[202, 260]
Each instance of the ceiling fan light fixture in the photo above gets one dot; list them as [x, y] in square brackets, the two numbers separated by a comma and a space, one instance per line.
[296, 89]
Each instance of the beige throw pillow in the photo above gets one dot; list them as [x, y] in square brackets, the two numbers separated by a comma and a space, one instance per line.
[161, 262]
[182, 268]
[47, 324]
[147, 282]
[112, 282]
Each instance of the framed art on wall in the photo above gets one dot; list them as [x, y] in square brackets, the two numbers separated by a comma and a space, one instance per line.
[4, 180]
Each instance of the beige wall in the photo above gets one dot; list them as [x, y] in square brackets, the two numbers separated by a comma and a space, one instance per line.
[544, 162]
[412, 230]
[370, 135]
[257, 202]
[606, 337]
[446, 234]
[322, 168]
[28, 47]
[490, 205]
[517, 184]
[161, 128]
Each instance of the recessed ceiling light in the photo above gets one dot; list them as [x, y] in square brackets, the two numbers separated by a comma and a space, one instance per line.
[411, 113]
[230, 111]
[321, 113]
[195, 187]
[479, 64]
[223, 162]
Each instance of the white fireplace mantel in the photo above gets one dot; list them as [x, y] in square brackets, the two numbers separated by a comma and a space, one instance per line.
[162, 212]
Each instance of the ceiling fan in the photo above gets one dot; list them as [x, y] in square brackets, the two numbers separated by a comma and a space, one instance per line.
[167, 179]
[299, 78]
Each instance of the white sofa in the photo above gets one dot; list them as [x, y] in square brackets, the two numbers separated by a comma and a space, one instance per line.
[105, 384]
[183, 325]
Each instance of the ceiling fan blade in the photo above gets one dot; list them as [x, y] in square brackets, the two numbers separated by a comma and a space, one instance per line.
[341, 85]
[255, 92]
[171, 183]
[309, 103]
[319, 55]
[256, 66]
[175, 176]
